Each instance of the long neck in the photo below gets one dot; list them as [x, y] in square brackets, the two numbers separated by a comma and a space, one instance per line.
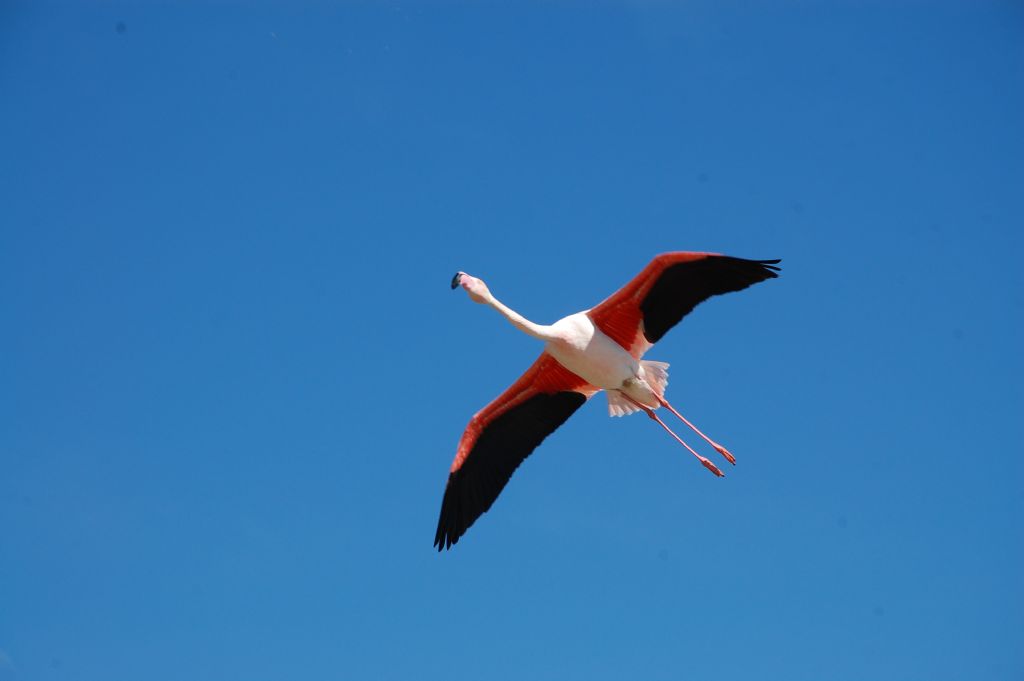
[539, 331]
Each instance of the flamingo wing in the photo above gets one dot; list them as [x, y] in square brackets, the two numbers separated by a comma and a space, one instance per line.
[500, 436]
[641, 312]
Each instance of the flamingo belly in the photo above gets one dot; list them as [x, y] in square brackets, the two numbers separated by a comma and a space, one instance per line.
[585, 350]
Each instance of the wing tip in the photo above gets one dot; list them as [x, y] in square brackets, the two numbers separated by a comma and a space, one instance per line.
[445, 529]
[768, 269]
[445, 538]
[450, 526]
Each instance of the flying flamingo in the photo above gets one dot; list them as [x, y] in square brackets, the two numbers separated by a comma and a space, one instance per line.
[584, 353]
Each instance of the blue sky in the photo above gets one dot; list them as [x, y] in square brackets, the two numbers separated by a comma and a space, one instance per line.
[234, 376]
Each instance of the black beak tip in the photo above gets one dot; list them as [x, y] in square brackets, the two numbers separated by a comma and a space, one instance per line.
[455, 280]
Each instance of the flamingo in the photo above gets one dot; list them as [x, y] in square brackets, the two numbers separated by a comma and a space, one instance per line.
[587, 352]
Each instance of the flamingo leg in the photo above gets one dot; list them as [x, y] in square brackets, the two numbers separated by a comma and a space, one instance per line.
[718, 448]
[650, 412]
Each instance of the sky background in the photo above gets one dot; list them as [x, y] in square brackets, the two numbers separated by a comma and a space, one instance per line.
[233, 375]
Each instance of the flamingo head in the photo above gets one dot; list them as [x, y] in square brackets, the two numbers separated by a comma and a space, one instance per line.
[476, 288]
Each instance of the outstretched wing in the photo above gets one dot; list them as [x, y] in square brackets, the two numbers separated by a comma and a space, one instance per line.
[500, 436]
[641, 312]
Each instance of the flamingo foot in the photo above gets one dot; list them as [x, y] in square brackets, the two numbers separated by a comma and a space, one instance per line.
[711, 467]
[725, 452]
[650, 412]
[718, 448]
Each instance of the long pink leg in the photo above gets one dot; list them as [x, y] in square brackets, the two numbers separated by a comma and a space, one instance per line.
[650, 412]
[718, 448]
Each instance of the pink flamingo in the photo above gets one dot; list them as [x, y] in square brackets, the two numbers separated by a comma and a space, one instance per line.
[584, 353]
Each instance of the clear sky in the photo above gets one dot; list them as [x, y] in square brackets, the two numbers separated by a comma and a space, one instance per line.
[233, 375]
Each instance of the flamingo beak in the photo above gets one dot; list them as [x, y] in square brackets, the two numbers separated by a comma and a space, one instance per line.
[455, 280]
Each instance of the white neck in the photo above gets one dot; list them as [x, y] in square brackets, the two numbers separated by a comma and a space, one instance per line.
[538, 331]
